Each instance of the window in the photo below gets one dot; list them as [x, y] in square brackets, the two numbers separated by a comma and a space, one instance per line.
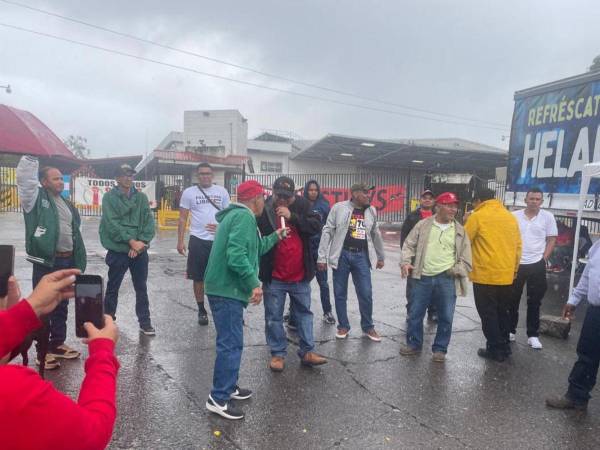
[270, 166]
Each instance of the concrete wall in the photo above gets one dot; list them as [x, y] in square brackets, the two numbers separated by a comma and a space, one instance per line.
[258, 157]
[226, 128]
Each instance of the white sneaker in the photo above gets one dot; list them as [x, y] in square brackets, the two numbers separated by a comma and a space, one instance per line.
[512, 337]
[534, 343]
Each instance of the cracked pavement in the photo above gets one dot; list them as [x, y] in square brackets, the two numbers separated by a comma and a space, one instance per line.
[367, 396]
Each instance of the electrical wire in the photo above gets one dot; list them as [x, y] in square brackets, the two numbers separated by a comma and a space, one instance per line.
[234, 80]
[246, 68]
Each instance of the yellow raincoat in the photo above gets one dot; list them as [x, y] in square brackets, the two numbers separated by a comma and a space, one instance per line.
[495, 243]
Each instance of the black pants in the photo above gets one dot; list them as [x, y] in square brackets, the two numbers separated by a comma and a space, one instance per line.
[492, 303]
[535, 277]
[583, 375]
[410, 283]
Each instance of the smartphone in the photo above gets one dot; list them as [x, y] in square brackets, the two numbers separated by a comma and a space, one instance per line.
[89, 302]
[7, 267]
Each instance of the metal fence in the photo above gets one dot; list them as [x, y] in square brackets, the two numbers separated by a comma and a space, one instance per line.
[9, 198]
[392, 194]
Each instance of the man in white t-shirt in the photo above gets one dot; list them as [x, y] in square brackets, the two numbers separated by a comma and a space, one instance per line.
[204, 200]
[538, 234]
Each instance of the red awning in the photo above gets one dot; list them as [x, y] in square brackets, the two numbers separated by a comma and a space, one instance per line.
[23, 133]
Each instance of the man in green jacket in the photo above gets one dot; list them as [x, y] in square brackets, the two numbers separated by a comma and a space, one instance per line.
[231, 281]
[126, 229]
[53, 242]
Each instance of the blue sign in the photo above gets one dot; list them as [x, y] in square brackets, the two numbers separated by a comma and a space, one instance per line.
[66, 193]
[553, 136]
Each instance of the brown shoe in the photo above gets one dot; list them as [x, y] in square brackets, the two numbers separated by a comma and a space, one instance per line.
[277, 364]
[64, 352]
[50, 364]
[312, 359]
[407, 350]
[565, 403]
[342, 333]
[438, 357]
[373, 335]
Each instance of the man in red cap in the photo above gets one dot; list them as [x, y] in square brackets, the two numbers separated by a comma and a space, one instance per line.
[231, 282]
[437, 256]
[424, 211]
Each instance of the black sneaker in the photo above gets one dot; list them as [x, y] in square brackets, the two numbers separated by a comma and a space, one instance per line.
[494, 356]
[241, 393]
[286, 317]
[202, 318]
[292, 325]
[227, 410]
[148, 330]
[328, 318]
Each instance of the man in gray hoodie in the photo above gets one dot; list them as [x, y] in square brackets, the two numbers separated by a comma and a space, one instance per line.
[348, 238]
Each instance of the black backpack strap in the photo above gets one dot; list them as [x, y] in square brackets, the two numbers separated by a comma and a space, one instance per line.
[208, 198]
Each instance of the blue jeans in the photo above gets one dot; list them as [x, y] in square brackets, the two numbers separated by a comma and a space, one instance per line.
[57, 320]
[274, 299]
[118, 264]
[228, 316]
[439, 288]
[359, 266]
[321, 277]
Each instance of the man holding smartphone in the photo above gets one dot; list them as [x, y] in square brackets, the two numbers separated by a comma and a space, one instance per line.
[203, 200]
[53, 242]
[126, 229]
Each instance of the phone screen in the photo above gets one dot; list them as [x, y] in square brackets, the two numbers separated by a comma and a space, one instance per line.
[7, 267]
[89, 305]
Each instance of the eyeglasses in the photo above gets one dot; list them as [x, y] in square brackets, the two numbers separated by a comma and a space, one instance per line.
[205, 174]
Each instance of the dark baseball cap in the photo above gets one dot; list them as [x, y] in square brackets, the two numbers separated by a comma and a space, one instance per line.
[125, 169]
[365, 187]
[284, 186]
[427, 192]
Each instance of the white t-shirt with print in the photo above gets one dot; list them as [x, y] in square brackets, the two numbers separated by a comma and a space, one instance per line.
[534, 233]
[203, 213]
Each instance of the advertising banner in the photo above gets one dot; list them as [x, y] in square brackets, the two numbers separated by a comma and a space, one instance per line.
[89, 191]
[553, 136]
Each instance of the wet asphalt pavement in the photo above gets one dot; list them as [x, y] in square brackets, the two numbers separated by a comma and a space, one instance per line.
[368, 396]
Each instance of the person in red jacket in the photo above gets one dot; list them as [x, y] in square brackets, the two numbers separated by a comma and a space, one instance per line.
[37, 415]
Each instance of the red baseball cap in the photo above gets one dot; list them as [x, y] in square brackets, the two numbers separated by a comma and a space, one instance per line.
[249, 189]
[447, 198]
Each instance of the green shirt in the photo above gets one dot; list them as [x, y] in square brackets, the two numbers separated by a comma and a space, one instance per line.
[439, 255]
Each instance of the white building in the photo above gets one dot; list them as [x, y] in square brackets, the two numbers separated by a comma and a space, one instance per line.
[215, 132]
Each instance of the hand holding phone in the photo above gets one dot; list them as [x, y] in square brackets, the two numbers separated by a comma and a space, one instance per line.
[89, 303]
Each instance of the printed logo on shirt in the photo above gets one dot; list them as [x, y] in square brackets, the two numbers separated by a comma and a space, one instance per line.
[45, 203]
[39, 232]
[202, 200]
[357, 226]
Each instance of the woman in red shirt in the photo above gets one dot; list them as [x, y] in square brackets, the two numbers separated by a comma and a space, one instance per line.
[33, 414]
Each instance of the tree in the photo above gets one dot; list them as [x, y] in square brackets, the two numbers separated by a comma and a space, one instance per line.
[78, 145]
[595, 67]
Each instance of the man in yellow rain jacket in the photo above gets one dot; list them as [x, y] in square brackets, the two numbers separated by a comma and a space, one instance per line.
[496, 246]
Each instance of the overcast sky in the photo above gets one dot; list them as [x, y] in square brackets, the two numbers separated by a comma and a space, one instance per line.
[459, 57]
